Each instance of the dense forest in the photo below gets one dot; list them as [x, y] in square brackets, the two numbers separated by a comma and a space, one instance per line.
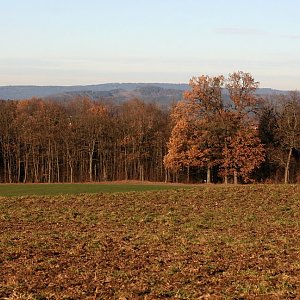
[202, 138]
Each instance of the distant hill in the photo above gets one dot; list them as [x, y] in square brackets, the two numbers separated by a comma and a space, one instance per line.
[145, 93]
[164, 93]
[15, 92]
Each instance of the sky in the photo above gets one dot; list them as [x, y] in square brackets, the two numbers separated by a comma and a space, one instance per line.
[74, 42]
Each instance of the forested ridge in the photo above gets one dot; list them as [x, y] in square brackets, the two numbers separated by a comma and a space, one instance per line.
[201, 138]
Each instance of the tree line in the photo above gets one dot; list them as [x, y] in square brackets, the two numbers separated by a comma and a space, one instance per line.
[208, 136]
[82, 140]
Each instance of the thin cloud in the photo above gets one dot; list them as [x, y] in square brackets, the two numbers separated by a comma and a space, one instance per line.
[239, 31]
[253, 32]
[292, 36]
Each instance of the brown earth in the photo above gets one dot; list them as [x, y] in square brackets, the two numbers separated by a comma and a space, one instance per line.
[210, 242]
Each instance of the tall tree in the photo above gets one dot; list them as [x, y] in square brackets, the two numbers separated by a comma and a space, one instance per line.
[8, 142]
[241, 87]
[289, 128]
[193, 142]
[208, 134]
[143, 129]
[268, 134]
[243, 154]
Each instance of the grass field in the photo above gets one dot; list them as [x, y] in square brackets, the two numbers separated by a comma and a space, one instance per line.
[7, 190]
[209, 242]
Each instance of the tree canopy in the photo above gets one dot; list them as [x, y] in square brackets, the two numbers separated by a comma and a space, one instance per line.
[220, 131]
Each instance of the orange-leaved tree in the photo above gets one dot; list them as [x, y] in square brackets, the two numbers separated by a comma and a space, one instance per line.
[243, 154]
[243, 151]
[241, 87]
[208, 134]
[193, 141]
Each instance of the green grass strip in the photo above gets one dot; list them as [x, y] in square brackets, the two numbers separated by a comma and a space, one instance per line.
[8, 190]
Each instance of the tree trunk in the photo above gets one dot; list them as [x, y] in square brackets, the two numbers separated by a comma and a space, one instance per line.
[287, 167]
[91, 152]
[71, 173]
[25, 168]
[235, 177]
[166, 175]
[125, 165]
[141, 167]
[208, 175]
[9, 171]
[104, 172]
[57, 166]
[226, 179]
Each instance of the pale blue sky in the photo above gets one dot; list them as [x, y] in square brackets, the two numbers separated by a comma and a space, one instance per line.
[66, 42]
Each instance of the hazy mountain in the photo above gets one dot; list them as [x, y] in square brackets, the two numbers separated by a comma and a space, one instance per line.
[164, 93]
[145, 93]
[28, 91]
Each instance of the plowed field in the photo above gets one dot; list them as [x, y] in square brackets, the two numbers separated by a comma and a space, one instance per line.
[209, 242]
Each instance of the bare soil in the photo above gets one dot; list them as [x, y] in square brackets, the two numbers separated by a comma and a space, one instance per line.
[209, 242]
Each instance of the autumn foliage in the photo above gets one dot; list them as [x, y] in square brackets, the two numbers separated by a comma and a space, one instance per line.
[81, 141]
[217, 135]
[220, 131]
[243, 154]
